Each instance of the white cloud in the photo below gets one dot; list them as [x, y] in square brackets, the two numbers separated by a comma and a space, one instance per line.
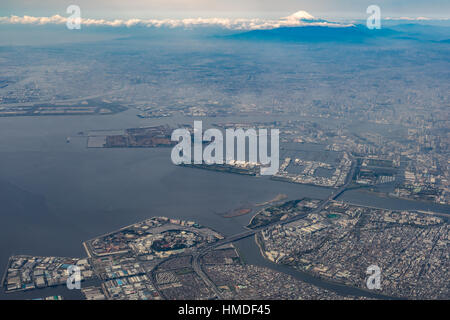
[300, 18]
[56, 19]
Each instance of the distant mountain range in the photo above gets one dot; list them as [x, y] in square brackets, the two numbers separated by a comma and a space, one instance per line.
[356, 33]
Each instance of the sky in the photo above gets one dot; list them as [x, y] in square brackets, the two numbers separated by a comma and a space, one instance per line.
[157, 9]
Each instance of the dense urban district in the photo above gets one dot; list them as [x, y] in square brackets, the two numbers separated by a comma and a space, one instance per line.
[341, 241]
